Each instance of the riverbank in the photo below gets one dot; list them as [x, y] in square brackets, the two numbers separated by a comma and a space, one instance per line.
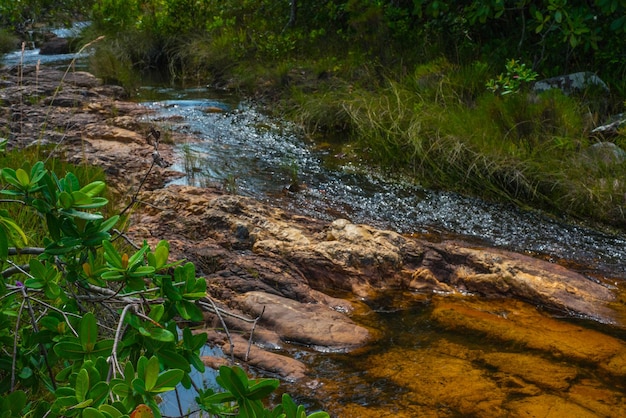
[322, 284]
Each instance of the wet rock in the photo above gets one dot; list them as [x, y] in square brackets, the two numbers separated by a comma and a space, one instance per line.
[516, 323]
[342, 256]
[532, 369]
[281, 365]
[433, 380]
[55, 46]
[309, 324]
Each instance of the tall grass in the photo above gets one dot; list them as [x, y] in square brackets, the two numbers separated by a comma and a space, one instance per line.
[525, 148]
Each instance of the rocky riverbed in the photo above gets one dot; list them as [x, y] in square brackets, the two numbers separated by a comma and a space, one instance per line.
[313, 282]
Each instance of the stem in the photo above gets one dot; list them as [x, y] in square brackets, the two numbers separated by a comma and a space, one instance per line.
[17, 328]
[44, 352]
[113, 359]
[252, 334]
[230, 340]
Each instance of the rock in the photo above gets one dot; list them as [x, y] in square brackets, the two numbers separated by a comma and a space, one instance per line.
[495, 273]
[309, 324]
[290, 255]
[523, 327]
[55, 46]
[571, 83]
[604, 152]
[532, 369]
[284, 366]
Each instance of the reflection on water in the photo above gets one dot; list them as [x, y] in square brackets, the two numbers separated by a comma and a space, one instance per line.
[263, 156]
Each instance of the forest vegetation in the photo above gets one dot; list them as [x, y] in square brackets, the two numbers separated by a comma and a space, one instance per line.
[436, 91]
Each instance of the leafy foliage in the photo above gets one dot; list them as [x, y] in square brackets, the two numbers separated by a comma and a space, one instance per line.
[92, 325]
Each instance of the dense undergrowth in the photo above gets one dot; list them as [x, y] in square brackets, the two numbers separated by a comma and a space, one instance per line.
[408, 82]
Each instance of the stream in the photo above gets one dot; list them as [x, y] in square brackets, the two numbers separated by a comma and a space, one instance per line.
[422, 364]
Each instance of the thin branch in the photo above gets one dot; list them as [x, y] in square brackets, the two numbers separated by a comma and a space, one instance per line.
[213, 308]
[15, 270]
[216, 310]
[44, 352]
[26, 250]
[115, 365]
[252, 334]
[17, 328]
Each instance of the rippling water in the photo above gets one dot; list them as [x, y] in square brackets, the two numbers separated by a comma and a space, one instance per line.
[261, 156]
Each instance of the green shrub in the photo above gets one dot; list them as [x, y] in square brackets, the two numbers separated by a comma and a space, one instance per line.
[91, 325]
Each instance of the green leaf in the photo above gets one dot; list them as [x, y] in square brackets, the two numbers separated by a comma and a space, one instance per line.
[151, 373]
[218, 398]
[10, 225]
[34, 283]
[112, 275]
[80, 198]
[69, 350]
[9, 175]
[319, 414]
[99, 392]
[189, 311]
[262, 389]
[83, 404]
[109, 223]
[82, 385]
[92, 413]
[232, 381]
[174, 360]
[111, 410]
[88, 332]
[156, 312]
[142, 271]
[82, 215]
[121, 389]
[111, 255]
[138, 256]
[168, 380]
[22, 177]
[92, 203]
[139, 386]
[161, 334]
[65, 200]
[94, 188]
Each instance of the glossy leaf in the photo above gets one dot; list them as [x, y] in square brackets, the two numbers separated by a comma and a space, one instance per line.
[111, 410]
[94, 188]
[82, 385]
[69, 350]
[88, 332]
[151, 373]
[167, 381]
[92, 413]
[174, 360]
